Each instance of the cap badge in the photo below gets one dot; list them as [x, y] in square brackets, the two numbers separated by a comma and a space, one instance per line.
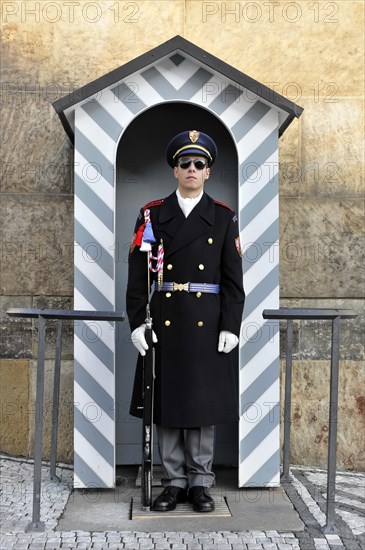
[194, 135]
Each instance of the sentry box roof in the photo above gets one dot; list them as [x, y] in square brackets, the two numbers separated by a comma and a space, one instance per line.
[175, 51]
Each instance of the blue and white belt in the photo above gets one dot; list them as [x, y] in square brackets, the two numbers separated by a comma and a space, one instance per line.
[209, 288]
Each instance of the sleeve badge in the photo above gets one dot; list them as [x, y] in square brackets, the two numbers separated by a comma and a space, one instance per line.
[238, 246]
[133, 244]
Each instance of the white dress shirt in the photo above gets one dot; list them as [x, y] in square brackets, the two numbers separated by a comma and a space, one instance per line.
[187, 204]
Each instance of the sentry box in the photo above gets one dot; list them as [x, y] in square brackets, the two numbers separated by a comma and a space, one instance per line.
[120, 125]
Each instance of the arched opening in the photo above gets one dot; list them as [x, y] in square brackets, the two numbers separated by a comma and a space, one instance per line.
[142, 175]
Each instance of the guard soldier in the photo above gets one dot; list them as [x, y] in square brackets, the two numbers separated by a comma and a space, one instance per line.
[196, 272]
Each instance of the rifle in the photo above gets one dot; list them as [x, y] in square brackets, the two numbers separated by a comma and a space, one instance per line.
[147, 430]
[148, 382]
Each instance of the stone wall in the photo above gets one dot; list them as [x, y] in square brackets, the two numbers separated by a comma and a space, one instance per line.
[311, 52]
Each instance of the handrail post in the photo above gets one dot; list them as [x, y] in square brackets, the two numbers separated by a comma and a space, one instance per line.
[36, 524]
[319, 314]
[56, 399]
[42, 315]
[332, 435]
[287, 402]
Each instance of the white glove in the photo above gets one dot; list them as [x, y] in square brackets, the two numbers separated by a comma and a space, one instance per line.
[227, 341]
[139, 340]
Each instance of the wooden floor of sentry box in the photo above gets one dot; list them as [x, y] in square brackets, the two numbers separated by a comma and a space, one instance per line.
[184, 510]
[181, 511]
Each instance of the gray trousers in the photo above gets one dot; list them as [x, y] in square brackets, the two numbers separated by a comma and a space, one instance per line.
[186, 456]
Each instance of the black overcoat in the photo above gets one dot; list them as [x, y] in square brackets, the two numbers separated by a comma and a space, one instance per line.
[195, 384]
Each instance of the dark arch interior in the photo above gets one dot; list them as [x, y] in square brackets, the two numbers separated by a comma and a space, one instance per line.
[142, 175]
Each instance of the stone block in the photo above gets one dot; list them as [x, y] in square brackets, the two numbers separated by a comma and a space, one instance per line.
[65, 421]
[310, 414]
[295, 341]
[333, 148]
[321, 248]
[58, 47]
[262, 40]
[14, 399]
[54, 302]
[36, 153]
[16, 333]
[37, 236]
[290, 161]
[312, 339]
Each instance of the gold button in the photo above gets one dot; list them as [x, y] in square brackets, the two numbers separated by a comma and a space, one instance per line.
[210, 240]
[200, 323]
[168, 294]
[198, 294]
[167, 323]
[169, 267]
[201, 267]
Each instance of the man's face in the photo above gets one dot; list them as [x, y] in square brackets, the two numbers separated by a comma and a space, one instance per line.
[191, 179]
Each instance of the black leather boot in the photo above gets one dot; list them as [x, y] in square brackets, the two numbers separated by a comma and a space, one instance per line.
[168, 499]
[201, 499]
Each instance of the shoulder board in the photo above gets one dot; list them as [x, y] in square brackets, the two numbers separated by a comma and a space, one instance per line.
[153, 203]
[224, 205]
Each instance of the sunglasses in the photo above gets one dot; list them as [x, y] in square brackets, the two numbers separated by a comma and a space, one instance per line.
[199, 164]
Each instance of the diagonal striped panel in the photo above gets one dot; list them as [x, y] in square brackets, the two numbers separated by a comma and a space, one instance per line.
[93, 180]
[86, 475]
[257, 362]
[88, 452]
[96, 368]
[94, 203]
[103, 119]
[99, 125]
[95, 157]
[258, 157]
[227, 96]
[89, 430]
[259, 431]
[92, 331]
[87, 288]
[90, 127]
[94, 252]
[141, 94]
[256, 140]
[94, 386]
[167, 91]
[257, 341]
[249, 120]
[97, 394]
[234, 112]
[128, 95]
[117, 110]
[268, 471]
[251, 210]
[252, 251]
[90, 220]
[261, 290]
[177, 77]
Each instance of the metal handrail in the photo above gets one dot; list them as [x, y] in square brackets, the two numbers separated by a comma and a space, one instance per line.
[335, 315]
[59, 314]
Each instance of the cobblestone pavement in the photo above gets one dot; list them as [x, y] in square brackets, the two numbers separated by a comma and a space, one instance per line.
[307, 493]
